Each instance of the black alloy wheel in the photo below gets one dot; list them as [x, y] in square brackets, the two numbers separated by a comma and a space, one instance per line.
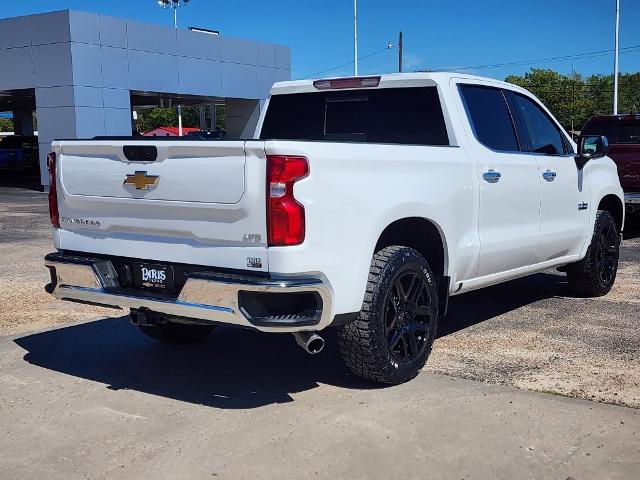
[594, 275]
[407, 315]
[607, 254]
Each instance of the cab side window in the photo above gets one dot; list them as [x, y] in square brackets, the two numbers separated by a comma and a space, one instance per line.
[544, 135]
[490, 117]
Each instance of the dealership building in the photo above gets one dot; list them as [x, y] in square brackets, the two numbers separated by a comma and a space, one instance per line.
[84, 74]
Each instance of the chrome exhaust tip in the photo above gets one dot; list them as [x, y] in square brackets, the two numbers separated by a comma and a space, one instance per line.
[311, 342]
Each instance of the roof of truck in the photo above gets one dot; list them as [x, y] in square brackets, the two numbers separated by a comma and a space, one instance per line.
[621, 117]
[388, 81]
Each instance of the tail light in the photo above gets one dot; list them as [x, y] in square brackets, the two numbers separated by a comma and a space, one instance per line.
[285, 216]
[54, 214]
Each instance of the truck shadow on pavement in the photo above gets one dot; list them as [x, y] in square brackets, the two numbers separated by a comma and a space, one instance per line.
[231, 369]
[236, 369]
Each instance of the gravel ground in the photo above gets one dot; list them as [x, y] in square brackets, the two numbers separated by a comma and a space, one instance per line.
[530, 333]
[533, 333]
[25, 236]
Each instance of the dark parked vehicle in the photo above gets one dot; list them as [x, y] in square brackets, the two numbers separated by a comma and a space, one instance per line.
[19, 153]
[207, 135]
[623, 133]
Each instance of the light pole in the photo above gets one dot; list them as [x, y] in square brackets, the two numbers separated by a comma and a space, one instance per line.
[175, 4]
[400, 52]
[616, 66]
[355, 37]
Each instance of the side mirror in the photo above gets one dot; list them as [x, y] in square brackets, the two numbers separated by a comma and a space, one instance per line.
[591, 147]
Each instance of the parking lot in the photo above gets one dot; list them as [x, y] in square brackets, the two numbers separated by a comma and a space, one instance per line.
[100, 398]
[531, 333]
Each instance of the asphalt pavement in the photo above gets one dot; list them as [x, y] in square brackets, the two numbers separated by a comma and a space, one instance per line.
[99, 400]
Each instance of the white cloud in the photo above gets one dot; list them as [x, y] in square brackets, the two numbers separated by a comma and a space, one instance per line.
[412, 62]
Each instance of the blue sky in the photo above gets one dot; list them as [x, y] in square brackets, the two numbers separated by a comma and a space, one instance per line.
[438, 33]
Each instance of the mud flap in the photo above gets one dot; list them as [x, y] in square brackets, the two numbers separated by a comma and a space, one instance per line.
[443, 296]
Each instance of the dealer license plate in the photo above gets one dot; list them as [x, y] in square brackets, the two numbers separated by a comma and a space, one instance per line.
[153, 276]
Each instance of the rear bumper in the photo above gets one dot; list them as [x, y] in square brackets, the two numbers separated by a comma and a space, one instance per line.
[632, 198]
[205, 296]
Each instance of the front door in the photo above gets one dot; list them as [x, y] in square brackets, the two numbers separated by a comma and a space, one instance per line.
[563, 209]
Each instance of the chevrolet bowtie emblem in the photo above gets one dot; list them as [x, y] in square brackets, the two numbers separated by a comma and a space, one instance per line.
[141, 180]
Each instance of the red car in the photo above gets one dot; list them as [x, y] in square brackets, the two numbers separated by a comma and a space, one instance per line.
[623, 133]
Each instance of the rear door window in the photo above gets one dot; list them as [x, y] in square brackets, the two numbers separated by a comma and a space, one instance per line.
[490, 117]
[385, 115]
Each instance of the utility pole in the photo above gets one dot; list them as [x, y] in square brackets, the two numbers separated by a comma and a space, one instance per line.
[616, 66]
[400, 47]
[355, 37]
[573, 97]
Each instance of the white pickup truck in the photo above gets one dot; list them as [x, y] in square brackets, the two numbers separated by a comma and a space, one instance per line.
[362, 203]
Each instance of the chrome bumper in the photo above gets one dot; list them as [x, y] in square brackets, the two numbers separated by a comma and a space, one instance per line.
[633, 198]
[205, 297]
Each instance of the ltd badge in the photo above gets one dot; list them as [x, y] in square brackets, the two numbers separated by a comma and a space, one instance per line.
[141, 180]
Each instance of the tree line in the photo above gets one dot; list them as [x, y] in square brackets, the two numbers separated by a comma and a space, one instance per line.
[152, 118]
[574, 98]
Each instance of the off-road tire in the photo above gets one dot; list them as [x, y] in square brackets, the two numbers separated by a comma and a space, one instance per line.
[365, 343]
[177, 333]
[595, 275]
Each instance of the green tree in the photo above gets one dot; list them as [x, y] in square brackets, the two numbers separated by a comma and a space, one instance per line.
[629, 93]
[6, 125]
[150, 119]
[573, 98]
[557, 91]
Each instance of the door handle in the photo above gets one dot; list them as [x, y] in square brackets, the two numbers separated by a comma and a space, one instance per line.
[492, 176]
[549, 175]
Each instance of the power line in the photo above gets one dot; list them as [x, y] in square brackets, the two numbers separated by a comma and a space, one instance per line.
[547, 60]
[346, 64]
[584, 55]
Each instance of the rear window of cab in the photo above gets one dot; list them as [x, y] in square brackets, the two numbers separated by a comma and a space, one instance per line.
[617, 131]
[386, 115]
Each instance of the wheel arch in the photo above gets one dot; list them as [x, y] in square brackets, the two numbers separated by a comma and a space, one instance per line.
[612, 204]
[421, 234]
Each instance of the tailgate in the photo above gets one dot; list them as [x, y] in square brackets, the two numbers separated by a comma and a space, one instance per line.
[196, 202]
[181, 172]
[627, 157]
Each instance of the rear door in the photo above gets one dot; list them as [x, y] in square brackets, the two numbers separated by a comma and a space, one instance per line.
[563, 197]
[195, 202]
[509, 183]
